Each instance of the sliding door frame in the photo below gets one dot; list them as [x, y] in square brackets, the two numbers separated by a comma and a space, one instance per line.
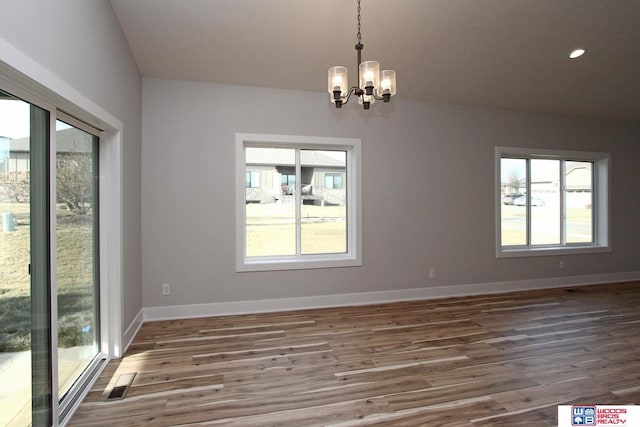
[25, 79]
[42, 367]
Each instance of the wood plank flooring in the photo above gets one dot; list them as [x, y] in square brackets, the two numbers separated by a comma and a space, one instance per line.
[506, 359]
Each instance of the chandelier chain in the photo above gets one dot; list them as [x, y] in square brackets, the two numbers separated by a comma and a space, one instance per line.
[359, 35]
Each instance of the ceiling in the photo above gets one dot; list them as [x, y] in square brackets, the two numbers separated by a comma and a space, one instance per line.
[502, 53]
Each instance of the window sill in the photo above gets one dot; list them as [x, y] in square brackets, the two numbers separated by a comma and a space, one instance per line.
[308, 262]
[550, 251]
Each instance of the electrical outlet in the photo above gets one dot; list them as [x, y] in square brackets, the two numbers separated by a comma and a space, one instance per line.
[561, 265]
[166, 289]
[432, 273]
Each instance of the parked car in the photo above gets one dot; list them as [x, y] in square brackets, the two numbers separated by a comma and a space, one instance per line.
[509, 198]
[522, 201]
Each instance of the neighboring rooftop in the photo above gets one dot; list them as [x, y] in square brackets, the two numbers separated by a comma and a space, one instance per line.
[67, 140]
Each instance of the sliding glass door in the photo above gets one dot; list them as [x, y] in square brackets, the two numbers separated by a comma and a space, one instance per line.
[76, 253]
[25, 338]
[35, 281]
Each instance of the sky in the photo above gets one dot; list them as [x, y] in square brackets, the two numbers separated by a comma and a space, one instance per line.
[14, 119]
[541, 169]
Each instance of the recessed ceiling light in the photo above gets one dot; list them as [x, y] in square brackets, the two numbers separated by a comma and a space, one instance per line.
[576, 53]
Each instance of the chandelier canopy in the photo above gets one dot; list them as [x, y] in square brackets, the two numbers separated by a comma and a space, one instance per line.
[372, 84]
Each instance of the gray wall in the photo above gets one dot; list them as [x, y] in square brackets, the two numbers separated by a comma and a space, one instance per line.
[81, 43]
[428, 191]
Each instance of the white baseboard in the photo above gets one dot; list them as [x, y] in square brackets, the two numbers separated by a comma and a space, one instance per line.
[366, 298]
[132, 330]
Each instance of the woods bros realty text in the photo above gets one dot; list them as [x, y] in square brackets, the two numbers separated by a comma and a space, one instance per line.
[611, 416]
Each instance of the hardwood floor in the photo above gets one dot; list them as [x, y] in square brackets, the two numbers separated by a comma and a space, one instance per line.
[506, 359]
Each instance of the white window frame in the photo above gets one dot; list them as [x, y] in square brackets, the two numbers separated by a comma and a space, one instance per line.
[353, 256]
[601, 205]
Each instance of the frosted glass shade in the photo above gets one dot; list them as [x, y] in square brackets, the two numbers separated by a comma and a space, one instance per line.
[369, 74]
[368, 98]
[337, 80]
[387, 83]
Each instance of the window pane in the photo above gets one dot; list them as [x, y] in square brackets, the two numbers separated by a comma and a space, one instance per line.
[270, 227]
[252, 179]
[337, 180]
[579, 201]
[545, 202]
[328, 181]
[513, 210]
[77, 253]
[324, 206]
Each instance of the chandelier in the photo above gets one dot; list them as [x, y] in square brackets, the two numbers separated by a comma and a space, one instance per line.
[373, 85]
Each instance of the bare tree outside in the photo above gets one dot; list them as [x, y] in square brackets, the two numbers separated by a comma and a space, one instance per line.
[73, 181]
[514, 182]
[15, 186]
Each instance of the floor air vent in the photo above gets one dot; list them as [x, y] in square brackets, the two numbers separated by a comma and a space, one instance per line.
[120, 388]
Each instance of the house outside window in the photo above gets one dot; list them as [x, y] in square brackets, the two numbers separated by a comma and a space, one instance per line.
[294, 221]
[551, 202]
